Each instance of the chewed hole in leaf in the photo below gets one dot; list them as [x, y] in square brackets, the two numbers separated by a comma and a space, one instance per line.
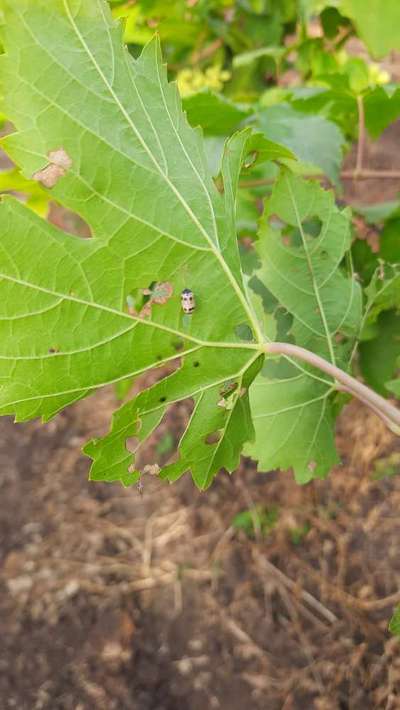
[213, 437]
[159, 292]
[250, 159]
[132, 443]
[68, 221]
[228, 388]
[268, 299]
[312, 226]
[161, 446]
[140, 301]
[248, 256]
[275, 222]
[244, 332]
[287, 239]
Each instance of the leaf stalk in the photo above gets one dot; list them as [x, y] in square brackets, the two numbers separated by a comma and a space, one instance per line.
[343, 382]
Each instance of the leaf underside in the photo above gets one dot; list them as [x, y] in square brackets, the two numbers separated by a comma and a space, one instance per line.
[109, 134]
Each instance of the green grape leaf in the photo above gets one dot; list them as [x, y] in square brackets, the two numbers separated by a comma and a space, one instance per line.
[107, 135]
[394, 385]
[383, 292]
[246, 58]
[216, 114]
[380, 341]
[379, 354]
[378, 26]
[339, 103]
[313, 139]
[37, 199]
[382, 107]
[294, 425]
[303, 240]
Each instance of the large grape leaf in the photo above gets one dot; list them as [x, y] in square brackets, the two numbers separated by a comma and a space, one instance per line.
[377, 23]
[303, 240]
[215, 113]
[313, 139]
[108, 135]
[379, 349]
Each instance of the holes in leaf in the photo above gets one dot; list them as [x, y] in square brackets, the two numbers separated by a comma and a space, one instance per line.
[160, 447]
[286, 239]
[269, 301]
[228, 388]
[248, 255]
[132, 444]
[312, 226]
[226, 399]
[244, 332]
[196, 363]
[68, 221]
[275, 222]
[250, 159]
[284, 322]
[141, 300]
[163, 399]
[213, 437]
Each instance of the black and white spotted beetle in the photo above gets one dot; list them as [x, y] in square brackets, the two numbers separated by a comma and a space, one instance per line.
[188, 301]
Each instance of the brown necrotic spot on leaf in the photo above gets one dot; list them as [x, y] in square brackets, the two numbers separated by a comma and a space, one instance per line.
[160, 293]
[140, 301]
[312, 466]
[59, 163]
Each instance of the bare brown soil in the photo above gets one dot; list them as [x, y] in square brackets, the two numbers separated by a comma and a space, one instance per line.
[113, 600]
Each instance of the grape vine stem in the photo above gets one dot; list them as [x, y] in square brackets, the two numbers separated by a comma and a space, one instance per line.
[343, 382]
